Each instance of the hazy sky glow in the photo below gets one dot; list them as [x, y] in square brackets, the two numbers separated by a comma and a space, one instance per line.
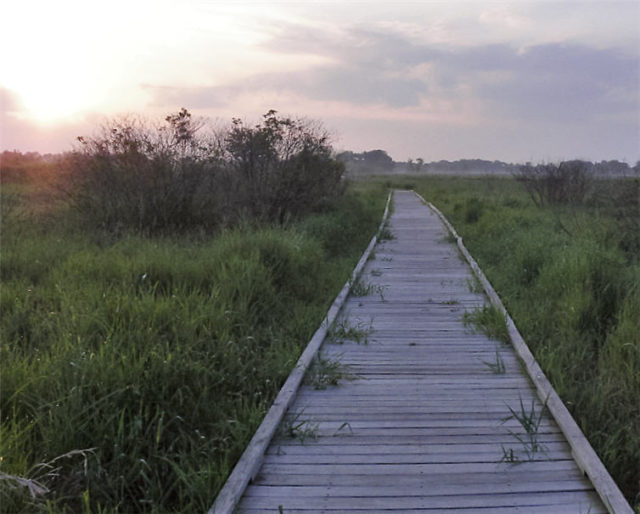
[516, 81]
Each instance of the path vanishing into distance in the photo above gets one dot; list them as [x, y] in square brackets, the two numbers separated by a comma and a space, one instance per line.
[425, 422]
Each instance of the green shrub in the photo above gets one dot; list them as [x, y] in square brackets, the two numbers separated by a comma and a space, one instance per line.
[133, 177]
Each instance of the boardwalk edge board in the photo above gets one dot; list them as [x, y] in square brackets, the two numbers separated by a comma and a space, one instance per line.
[250, 461]
[581, 449]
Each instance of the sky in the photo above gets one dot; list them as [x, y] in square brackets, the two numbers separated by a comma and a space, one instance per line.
[501, 80]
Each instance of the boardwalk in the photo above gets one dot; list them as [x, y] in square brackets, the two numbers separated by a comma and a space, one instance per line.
[422, 426]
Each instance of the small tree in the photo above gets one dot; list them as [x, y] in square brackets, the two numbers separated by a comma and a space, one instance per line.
[378, 159]
[565, 183]
[132, 176]
[280, 167]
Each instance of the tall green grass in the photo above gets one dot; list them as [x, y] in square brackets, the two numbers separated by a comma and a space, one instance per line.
[570, 278]
[135, 370]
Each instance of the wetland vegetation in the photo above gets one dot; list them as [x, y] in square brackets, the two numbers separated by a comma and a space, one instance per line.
[140, 350]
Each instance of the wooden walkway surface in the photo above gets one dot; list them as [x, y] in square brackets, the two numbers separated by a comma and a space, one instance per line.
[422, 426]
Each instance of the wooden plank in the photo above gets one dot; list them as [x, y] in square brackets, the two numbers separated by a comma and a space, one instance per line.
[401, 449]
[413, 469]
[487, 480]
[542, 509]
[490, 456]
[355, 430]
[419, 490]
[549, 499]
[416, 401]
[424, 425]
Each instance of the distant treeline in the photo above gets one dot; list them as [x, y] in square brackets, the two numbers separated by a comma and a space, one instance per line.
[18, 167]
[378, 161]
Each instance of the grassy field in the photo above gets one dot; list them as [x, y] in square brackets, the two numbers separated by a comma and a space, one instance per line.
[136, 369]
[570, 277]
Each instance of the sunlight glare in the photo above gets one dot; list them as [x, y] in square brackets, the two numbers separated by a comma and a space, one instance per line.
[62, 54]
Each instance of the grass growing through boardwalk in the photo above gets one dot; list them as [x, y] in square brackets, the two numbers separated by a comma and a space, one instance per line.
[497, 367]
[327, 371]
[488, 320]
[342, 331]
[530, 421]
[361, 287]
[570, 277]
[295, 426]
[135, 370]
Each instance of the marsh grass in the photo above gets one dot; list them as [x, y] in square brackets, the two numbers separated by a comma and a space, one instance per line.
[160, 354]
[474, 285]
[496, 366]
[361, 287]
[530, 420]
[296, 426]
[343, 331]
[448, 238]
[326, 371]
[489, 321]
[385, 234]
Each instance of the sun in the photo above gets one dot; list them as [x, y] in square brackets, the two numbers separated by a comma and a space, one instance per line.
[59, 59]
[47, 102]
[43, 61]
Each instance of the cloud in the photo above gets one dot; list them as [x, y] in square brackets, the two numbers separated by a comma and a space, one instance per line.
[170, 97]
[556, 82]
[485, 72]
[376, 48]
[565, 83]
[360, 86]
[388, 73]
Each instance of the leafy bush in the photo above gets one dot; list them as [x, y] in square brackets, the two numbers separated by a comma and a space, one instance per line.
[278, 168]
[135, 177]
[564, 183]
[620, 200]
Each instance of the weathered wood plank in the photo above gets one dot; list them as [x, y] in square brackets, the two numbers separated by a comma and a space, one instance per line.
[447, 481]
[401, 449]
[490, 456]
[533, 509]
[417, 469]
[422, 490]
[550, 499]
[431, 436]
